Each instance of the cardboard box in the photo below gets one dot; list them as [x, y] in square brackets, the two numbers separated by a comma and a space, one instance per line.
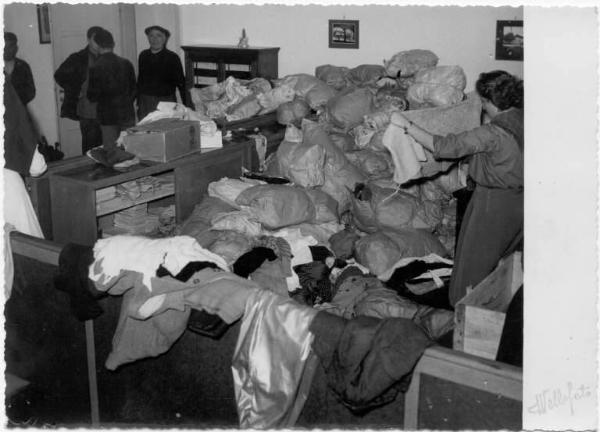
[211, 141]
[479, 316]
[163, 140]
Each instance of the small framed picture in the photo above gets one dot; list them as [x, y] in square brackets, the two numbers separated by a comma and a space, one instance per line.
[343, 34]
[43, 16]
[509, 40]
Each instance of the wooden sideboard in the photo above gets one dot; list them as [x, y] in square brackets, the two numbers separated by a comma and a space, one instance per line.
[209, 64]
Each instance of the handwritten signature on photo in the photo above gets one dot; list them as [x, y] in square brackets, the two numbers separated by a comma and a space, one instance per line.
[551, 399]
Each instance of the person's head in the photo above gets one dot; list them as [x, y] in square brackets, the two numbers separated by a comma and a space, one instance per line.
[499, 91]
[92, 45]
[105, 41]
[10, 46]
[157, 37]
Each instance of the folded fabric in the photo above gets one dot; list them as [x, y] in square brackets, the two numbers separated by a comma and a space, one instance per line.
[144, 255]
[110, 157]
[72, 278]
[427, 259]
[367, 360]
[273, 275]
[407, 154]
[299, 244]
[252, 260]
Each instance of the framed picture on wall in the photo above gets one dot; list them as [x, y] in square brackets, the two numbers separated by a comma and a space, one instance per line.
[43, 16]
[509, 40]
[343, 34]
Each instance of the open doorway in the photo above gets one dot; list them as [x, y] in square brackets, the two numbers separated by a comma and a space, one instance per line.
[70, 23]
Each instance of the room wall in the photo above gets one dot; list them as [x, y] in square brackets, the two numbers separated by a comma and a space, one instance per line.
[458, 35]
[21, 19]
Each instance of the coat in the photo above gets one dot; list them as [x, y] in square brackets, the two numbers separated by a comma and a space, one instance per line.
[492, 226]
[112, 86]
[71, 75]
[22, 80]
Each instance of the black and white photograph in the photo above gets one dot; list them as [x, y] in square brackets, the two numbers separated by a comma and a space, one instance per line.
[343, 34]
[229, 215]
[509, 40]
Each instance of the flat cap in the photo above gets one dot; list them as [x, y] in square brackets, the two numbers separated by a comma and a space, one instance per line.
[163, 30]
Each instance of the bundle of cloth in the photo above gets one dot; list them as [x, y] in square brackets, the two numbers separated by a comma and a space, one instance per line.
[164, 281]
[232, 99]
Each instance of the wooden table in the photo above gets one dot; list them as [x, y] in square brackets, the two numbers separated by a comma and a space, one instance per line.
[73, 191]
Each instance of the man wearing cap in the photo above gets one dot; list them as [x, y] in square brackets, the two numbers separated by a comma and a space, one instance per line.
[160, 73]
[17, 70]
[72, 76]
[112, 87]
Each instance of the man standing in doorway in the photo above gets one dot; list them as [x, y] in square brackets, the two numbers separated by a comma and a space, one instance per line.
[73, 77]
[112, 86]
[17, 70]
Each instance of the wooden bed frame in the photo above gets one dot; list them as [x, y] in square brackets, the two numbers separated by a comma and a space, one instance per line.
[449, 389]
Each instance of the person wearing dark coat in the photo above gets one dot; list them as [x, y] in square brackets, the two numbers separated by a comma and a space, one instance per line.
[17, 70]
[72, 75]
[112, 87]
[492, 226]
[160, 73]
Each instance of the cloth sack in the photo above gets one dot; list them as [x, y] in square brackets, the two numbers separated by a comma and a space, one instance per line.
[334, 76]
[277, 206]
[365, 75]
[381, 250]
[347, 109]
[407, 63]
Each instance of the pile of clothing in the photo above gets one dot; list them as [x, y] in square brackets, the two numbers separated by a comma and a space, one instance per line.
[345, 264]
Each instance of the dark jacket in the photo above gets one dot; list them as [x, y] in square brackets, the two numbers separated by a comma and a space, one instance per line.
[112, 86]
[70, 76]
[367, 360]
[22, 81]
[160, 74]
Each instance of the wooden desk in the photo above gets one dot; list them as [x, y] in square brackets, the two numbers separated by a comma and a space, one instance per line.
[73, 191]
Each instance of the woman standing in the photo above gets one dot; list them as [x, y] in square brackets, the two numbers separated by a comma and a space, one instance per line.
[160, 73]
[493, 222]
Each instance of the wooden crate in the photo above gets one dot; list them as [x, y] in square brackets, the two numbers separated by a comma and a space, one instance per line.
[479, 316]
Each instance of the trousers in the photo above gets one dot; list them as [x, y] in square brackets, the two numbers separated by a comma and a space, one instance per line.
[91, 134]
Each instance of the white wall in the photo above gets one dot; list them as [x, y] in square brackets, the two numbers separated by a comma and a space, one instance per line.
[458, 35]
[21, 19]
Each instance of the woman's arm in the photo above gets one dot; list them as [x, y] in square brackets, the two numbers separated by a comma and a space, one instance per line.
[420, 135]
[451, 146]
